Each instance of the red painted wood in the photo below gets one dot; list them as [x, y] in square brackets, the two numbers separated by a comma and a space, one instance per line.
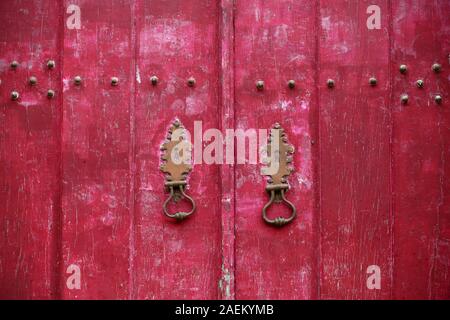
[96, 150]
[176, 40]
[275, 43]
[227, 288]
[355, 210]
[29, 150]
[80, 183]
[420, 151]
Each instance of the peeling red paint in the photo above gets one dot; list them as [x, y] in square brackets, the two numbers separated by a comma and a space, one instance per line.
[81, 192]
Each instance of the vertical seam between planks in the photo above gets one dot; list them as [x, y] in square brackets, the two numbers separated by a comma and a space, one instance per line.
[227, 119]
[58, 214]
[391, 157]
[132, 152]
[318, 158]
[436, 229]
[233, 100]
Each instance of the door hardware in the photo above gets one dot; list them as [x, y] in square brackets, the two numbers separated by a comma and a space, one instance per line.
[403, 68]
[291, 84]
[50, 64]
[436, 67]
[419, 83]
[50, 93]
[404, 98]
[191, 82]
[114, 81]
[15, 95]
[260, 85]
[330, 83]
[32, 81]
[176, 156]
[277, 184]
[154, 80]
[77, 80]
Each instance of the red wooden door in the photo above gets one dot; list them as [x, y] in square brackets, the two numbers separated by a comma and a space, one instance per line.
[81, 190]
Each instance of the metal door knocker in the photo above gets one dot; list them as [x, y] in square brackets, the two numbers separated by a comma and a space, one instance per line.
[279, 156]
[176, 155]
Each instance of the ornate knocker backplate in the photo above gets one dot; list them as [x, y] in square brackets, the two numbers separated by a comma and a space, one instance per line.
[176, 155]
[279, 156]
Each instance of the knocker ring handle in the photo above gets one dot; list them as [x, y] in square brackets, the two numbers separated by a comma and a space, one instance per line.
[181, 186]
[278, 190]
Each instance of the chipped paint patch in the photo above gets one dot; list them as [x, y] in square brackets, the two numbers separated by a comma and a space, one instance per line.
[138, 75]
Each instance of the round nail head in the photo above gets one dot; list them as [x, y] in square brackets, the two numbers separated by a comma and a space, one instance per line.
[420, 83]
[77, 80]
[191, 82]
[32, 81]
[50, 93]
[404, 98]
[260, 85]
[438, 99]
[403, 68]
[114, 81]
[14, 95]
[154, 80]
[373, 81]
[437, 67]
[51, 64]
[330, 83]
[291, 84]
[14, 64]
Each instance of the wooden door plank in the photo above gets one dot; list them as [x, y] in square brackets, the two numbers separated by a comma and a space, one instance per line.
[176, 40]
[96, 148]
[275, 42]
[421, 150]
[356, 223]
[227, 170]
[29, 150]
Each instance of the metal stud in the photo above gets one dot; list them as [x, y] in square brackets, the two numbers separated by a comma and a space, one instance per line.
[373, 81]
[51, 64]
[438, 99]
[403, 68]
[191, 82]
[260, 85]
[14, 64]
[330, 83]
[114, 81]
[50, 93]
[154, 80]
[291, 84]
[77, 80]
[14, 95]
[419, 83]
[32, 81]
[436, 67]
[404, 98]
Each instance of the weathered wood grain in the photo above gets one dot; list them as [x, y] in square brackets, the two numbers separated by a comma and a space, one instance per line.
[275, 42]
[420, 37]
[176, 40]
[96, 144]
[355, 131]
[29, 150]
[80, 183]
